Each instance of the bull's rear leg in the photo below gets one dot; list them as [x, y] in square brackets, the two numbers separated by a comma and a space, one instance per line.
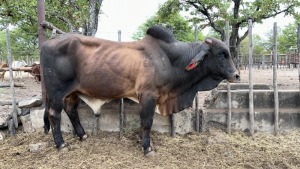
[54, 117]
[147, 113]
[70, 106]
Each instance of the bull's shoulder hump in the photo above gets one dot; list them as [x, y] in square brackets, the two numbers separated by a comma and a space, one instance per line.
[161, 33]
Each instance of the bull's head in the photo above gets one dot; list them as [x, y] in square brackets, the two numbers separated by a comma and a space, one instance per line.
[220, 58]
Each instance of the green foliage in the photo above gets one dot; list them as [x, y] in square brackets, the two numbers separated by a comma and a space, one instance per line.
[213, 14]
[287, 38]
[179, 25]
[64, 14]
[23, 46]
[23, 37]
[2, 46]
[67, 15]
[260, 47]
[212, 33]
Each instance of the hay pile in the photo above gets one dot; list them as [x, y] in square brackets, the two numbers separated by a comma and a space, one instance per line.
[213, 149]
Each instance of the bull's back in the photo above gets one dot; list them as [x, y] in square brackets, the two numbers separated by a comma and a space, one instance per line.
[94, 67]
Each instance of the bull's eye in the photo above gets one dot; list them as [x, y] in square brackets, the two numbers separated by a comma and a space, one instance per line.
[223, 54]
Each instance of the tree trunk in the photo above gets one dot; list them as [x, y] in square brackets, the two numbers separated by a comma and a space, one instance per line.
[91, 26]
[234, 43]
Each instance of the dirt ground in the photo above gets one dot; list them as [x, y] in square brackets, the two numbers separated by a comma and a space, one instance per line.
[212, 149]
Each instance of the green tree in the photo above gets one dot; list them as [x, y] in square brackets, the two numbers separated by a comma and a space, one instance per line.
[67, 15]
[179, 25]
[287, 38]
[260, 47]
[2, 46]
[237, 12]
[23, 46]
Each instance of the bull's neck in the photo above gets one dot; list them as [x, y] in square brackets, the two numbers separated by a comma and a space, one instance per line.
[180, 55]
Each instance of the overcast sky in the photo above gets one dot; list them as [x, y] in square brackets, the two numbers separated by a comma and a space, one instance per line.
[128, 15]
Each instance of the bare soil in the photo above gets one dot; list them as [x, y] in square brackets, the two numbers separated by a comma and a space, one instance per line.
[212, 149]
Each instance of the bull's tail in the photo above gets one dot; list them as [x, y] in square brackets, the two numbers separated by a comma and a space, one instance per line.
[46, 116]
[47, 107]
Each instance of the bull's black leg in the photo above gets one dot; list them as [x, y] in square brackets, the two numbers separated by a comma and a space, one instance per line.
[70, 107]
[55, 120]
[147, 113]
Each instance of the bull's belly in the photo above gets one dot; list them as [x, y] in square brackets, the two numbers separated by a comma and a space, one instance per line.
[96, 104]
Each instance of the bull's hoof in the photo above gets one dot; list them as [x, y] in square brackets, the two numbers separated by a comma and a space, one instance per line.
[63, 148]
[149, 152]
[84, 137]
[46, 130]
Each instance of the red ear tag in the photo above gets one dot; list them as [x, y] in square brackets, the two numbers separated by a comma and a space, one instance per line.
[191, 66]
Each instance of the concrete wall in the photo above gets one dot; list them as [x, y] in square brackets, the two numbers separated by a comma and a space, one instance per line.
[109, 119]
[215, 114]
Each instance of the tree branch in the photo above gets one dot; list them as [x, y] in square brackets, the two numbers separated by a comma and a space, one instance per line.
[244, 20]
[65, 20]
[205, 12]
[240, 39]
[50, 26]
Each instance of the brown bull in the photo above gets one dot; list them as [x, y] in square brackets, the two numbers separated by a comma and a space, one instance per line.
[157, 71]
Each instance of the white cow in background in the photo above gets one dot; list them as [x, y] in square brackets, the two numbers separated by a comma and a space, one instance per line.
[18, 64]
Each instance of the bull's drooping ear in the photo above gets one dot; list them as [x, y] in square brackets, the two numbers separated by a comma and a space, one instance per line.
[208, 40]
[200, 56]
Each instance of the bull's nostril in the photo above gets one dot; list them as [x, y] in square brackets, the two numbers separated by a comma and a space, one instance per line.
[237, 77]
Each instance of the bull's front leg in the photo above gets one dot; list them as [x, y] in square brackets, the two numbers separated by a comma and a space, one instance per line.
[147, 113]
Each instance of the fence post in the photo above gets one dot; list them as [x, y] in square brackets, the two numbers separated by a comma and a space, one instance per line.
[263, 61]
[41, 39]
[121, 100]
[228, 87]
[275, 77]
[197, 116]
[171, 116]
[298, 45]
[251, 106]
[13, 119]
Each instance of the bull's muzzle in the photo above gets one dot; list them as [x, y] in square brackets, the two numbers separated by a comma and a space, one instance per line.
[235, 77]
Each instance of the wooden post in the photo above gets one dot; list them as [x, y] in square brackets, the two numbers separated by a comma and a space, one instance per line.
[121, 101]
[251, 106]
[121, 118]
[228, 87]
[13, 119]
[197, 115]
[172, 116]
[298, 44]
[263, 61]
[276, 104]
[42, 39]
